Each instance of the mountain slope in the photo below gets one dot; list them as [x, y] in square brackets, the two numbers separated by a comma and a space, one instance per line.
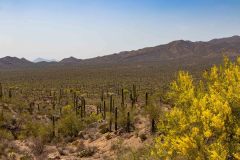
[183, 51]
[14, 62]
[70, 60]
[180, 52]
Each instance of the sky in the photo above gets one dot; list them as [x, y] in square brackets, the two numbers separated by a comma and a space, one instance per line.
[56, 29]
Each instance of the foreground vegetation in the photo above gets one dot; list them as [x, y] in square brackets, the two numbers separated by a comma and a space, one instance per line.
[119, 115]
[204, 120]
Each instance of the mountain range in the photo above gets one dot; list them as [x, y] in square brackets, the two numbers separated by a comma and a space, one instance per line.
[176, 53]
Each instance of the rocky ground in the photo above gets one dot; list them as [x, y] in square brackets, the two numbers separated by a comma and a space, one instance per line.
[90, 144]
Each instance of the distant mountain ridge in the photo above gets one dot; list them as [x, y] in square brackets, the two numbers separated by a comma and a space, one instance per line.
[180, 52]
[70, 60]
[13, 61]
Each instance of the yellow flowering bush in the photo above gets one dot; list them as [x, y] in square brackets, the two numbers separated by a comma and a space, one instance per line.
[203, 122]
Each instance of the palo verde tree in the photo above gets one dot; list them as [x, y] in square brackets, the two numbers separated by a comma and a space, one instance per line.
[204, 120]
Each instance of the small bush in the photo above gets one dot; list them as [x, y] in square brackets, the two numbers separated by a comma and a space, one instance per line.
[5, 134]
[88, 152]
[70, 125]
[26, 157]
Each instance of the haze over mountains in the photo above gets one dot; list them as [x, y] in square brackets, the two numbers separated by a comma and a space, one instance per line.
[43, 60]
[180, 52]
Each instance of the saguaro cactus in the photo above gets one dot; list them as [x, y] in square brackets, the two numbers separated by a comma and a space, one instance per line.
[153, 126]
[111, 103]
[146, 98]
[116, 118]
[74, 99]
[31, 105]
[104, 110]
[81, 110]
[100, 108]
[61, 92]
[53, 126]
[1, 91]
[10, 93]
[83, 107]
[110, 122]
[122, 103]
[2, 114]
[97, 107]
[134, 95]
[128, 122]
[76, 105]
[102, 96]
[110, 111]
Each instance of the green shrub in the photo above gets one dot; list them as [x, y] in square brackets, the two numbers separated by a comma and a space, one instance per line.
[37, 130]
[93, 117]
[70, 125]
[5, 134]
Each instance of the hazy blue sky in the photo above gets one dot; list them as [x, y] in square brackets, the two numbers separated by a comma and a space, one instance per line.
[89, 28]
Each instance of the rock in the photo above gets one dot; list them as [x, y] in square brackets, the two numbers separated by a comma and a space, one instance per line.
[52, 152]
[81, 134]
[93, 125]
[54, 155]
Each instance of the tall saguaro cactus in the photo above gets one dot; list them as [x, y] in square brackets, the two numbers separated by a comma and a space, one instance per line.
[83, 107]
[1, 91]
[74, 96]
[97, 107]
[2, 114]
[128, 122]
[146, 98]
[153, 126]
[102, 96]
[53, 126]
[61, 92]
[116, 119]
[122, 103]
[134, 95]
[74, 100]
[31, 105]
[10, 93]
[76, 105]
[111, 103]
[110, 111]
[104, 110]
[100, 108]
